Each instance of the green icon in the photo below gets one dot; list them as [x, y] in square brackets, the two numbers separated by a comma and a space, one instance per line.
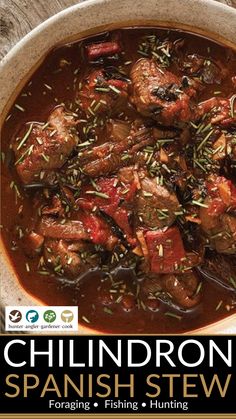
[49, 316]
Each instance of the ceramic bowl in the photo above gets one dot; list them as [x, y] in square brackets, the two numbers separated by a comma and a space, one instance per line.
[206, 17]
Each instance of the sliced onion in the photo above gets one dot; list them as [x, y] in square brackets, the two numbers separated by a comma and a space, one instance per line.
[119, 130]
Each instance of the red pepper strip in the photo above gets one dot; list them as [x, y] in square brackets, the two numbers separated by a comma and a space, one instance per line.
[95, 51]
[166, 250]
[223, 195]
[98, 230]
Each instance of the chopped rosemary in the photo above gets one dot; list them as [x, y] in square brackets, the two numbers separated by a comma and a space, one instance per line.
[47, 86]
[84, 144]
[28, 151]
[163, 213]
[102, 89]
[199, 203]
[43, 272]
[147, 194]
[46, 158]
[219, 305]
[161, 250]
[27, 267]
[199, 165]
[205, 139]
[85, 319]
[175, 316]
[115, 89]
[8, 117]
[20, 108]
[26, 136]
[199, 287]
[98, 194]
[232, 281]
[107, 310]
[125, 157]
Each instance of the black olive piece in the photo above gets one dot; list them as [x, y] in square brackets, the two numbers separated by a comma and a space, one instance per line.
[167, 93]
[185, 82]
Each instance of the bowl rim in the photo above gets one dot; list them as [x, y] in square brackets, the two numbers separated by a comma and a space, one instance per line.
[9, 95]
[220, 9]
[85, 4]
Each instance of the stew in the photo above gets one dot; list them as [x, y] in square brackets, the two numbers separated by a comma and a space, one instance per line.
[119, 181]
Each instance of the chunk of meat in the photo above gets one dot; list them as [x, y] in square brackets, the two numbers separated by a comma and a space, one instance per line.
[216, 221]
[211, 73]
[99, 231]
[61, 229]
[101, 94]
[59, 203]
[89, 227]
[182, 288]
[128, 175]
[32, 243]
[156, 205]
[104, 166]
[118, 130]
[221, 111]
[219, 269]
[158, 93]
[56, 208]
[105, 196]
[57, 255]
[221, 196]
[208, 71]
[111, 198]
[109, 157]
[166, 250]
[45, 148]
[191, 64]
[102, 49]
[121, 217]
[220, 148]
[223, 236]
[152, 285]
[67, 196]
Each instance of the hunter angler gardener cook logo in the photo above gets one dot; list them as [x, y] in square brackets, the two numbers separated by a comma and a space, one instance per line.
[60, 318]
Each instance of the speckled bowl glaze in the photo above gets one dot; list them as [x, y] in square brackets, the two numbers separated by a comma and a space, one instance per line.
[206, 17]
